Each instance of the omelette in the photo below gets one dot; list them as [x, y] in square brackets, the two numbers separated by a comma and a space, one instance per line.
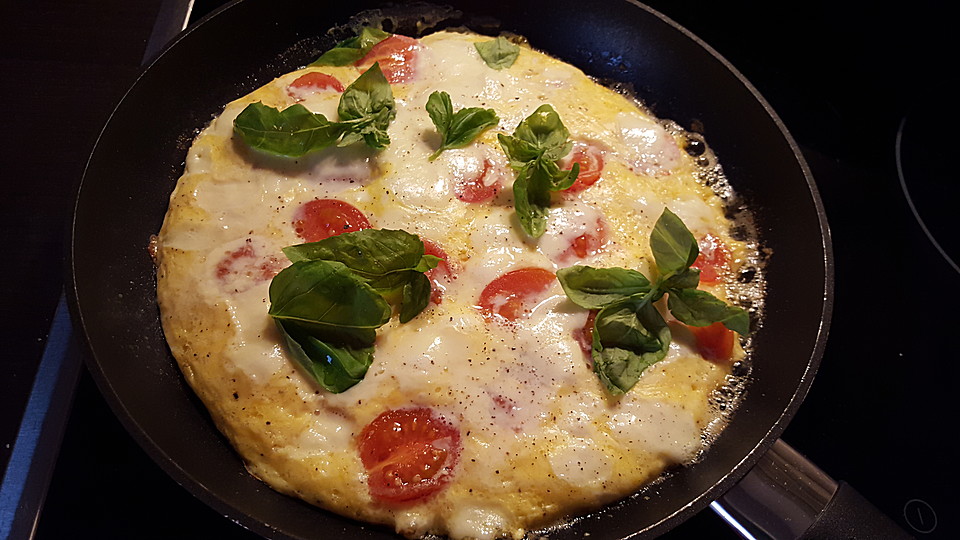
[453, 286]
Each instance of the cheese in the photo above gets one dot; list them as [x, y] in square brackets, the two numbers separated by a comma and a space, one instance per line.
[539, 439]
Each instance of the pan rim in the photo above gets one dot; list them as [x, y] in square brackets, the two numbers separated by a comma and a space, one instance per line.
[209, 497]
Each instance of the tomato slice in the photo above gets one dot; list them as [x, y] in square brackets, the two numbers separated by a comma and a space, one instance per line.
[514, 294]
[311, 83]
[397, 55]
[714, 342]
[588, 243]
[584, 336]
[243, 268]
[478, 188]
[440, 276]
[323, 218]
[409, 454]
[590, 158]
[712, 260]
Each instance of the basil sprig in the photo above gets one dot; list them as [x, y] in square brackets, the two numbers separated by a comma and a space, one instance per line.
[338, 291]
[366, 109]
[536, 146]
[498, 53]
[629, 334]
[457, 129]
[349, 51]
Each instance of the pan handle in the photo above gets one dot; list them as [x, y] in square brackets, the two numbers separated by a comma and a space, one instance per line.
[786, 497]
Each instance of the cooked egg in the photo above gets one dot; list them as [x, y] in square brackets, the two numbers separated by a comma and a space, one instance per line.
[525, 435]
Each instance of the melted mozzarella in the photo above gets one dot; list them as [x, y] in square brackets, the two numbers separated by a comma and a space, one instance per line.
[646, 146]
[541, 436]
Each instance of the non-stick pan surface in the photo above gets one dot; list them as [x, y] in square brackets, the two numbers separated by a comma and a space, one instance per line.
[140, 155]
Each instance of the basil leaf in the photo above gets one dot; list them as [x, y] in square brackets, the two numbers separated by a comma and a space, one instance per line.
[700, 308]
[326, 294]
[416, 296]
[594, 288]
[292, 132]
[674, 247]
[688, 278]
[499, 53]
[368, 252]
[349, 51]
[628, 336]
[367, 107]
[457, 129]
[531, 204]
[366, 110]
[546, 132]
[335, 367]
[536, 145]
[388, 261]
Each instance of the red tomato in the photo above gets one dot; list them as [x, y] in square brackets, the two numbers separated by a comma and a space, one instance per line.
[439, 276]
[712, 260]
[396, 55]
[513, 294]
[409, 454]
[480, 188]
[714, 342]
[243, 268]
[588, 243]
[584, 336]
[313, 82]
[323, 218]
[590, 158]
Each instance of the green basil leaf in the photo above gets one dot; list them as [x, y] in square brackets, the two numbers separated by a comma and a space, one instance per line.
[366, 110]
[700, 308]
[594, 288]
[674, 247]
[416, 296]
[518, 151]
[546, 132]
[335, 367]
[349, 51]
[457, 129]
[386, 260]
[539, 141]
[326, 294]
[688, 278]
[368, 252]
[628, 336]
[531, 204]
[292, 132]
[499, 53]
[367, 107]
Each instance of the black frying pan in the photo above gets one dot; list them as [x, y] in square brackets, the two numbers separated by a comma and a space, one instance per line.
[140, 155]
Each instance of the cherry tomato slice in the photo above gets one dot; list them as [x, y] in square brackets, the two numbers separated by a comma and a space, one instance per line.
[440, 276]
[396, 55]
[714, 342]
[590, 158]
[323, 218]
[243, 268]
[479, 188]
[712, 260]
[584, 336]
[514, 294]
[313, 82]
[587, 244]
[409, 454]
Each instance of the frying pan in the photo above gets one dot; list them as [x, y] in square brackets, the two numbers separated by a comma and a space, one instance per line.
[140, 153]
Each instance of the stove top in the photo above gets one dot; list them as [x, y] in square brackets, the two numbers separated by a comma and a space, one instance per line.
[857, 87]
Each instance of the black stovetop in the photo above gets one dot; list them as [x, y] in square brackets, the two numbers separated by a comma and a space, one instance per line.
[846, 81]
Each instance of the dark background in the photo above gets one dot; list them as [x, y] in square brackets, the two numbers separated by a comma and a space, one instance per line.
[842, 76]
